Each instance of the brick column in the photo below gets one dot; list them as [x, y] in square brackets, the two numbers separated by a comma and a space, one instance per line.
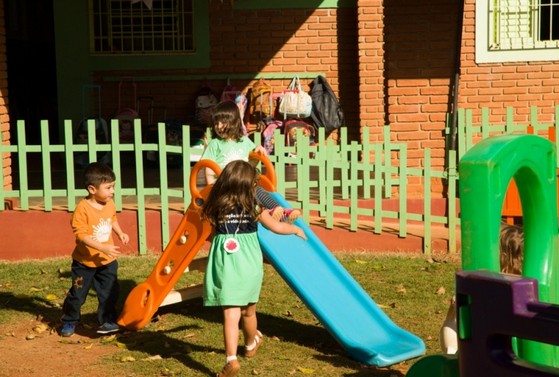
[371, 66]
[4, 117]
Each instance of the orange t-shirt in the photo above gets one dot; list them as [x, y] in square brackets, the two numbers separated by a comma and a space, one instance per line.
[97, 223]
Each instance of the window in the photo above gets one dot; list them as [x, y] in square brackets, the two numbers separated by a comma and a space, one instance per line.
[126, 27]
[517, 30]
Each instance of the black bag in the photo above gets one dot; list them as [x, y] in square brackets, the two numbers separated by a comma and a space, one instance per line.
[326, 109]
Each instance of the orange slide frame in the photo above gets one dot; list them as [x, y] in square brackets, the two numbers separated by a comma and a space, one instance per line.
[146, 298]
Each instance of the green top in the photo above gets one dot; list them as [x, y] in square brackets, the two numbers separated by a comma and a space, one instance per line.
[223, 152]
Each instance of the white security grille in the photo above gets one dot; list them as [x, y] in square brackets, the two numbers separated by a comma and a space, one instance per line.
[123, 27]
[523, 24]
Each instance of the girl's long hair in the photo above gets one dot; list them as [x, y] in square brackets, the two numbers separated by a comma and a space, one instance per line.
[229, 115]
[233, 192]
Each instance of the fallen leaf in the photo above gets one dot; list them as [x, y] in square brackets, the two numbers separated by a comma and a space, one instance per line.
[51, 297]
[88, 347]
[154, 357]
[441, 291]
[35, 289]
[30, 337]
[126, 359]
[401, 289]
[255, 372]
[120, 345]
[40, 328]
[305, 370]
[108, 339]
[288, 313]
[359, 261]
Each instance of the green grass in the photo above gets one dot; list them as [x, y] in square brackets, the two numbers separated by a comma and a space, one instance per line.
[185, 339]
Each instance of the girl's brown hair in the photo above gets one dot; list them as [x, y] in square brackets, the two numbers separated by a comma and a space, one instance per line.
[511, 249]
[228, 114]
[233, 192]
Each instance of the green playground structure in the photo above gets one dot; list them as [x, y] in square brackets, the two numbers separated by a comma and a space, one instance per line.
[485, 173]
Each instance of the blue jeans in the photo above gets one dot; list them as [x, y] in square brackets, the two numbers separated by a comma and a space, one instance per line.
[105, 282]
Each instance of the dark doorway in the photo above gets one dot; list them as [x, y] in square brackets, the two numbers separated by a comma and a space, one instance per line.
[31, 61]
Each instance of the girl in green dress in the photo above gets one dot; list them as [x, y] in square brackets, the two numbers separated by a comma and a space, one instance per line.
[235, 267]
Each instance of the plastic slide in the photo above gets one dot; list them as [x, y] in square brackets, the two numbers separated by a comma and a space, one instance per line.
[342, 306]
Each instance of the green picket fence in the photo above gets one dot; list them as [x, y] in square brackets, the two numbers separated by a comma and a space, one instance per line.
[332, 181]
[469, 133]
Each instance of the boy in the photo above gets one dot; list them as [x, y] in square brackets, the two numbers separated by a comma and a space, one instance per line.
[94, 257]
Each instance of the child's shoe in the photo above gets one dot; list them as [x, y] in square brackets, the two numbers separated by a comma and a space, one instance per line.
[108, 327]
[67, 329]
[230, 369]
[291, 215]
[250, 351]
[277, 213]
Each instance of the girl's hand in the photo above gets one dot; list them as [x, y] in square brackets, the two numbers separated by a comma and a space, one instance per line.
[300, 233]
[260, 149]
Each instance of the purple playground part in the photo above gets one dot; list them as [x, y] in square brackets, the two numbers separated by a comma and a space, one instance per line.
[493, 308]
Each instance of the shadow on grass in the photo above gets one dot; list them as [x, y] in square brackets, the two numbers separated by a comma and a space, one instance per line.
[289, 330]
[163, 344]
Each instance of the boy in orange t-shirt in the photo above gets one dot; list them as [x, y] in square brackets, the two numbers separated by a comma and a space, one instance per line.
[94, 257]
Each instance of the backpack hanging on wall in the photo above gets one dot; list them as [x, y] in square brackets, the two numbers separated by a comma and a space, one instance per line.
[290, 128]
[295, 103]
[326, 109]
[204, 103]
[260, 103]
[267, 127]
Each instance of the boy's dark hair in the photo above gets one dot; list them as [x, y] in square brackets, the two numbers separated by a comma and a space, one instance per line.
[228, 113]
[97, 173]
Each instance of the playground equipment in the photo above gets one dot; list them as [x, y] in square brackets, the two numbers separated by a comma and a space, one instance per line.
[487, 328]
[310, 269]
[191, 234]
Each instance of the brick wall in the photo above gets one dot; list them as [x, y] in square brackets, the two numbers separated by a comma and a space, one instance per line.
[267, 41]
[498, 86]
[4, 118]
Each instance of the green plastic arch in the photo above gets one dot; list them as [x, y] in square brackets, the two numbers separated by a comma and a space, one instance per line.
[485, 173]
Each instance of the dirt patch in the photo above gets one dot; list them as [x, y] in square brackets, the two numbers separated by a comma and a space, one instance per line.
[31, 348]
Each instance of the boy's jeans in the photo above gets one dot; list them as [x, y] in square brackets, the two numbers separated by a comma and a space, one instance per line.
[105, 282]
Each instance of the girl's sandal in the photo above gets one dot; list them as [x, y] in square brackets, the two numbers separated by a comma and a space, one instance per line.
[230, 369]
[258, 340]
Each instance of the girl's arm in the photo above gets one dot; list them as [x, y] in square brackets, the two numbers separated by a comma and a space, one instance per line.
[278, 227]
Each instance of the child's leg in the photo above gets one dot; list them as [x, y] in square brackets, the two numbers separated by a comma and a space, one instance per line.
[249, 323]
[231, 318]
[106, 285]
[82, 278]
[253, 337]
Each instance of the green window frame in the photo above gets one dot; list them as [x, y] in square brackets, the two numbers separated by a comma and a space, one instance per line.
[171, 35]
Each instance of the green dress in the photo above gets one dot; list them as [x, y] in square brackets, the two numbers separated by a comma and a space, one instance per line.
[235, 267]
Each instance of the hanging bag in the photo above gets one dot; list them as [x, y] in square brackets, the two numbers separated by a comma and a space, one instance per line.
[295, 103]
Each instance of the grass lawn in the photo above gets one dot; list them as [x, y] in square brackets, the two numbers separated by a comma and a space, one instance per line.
[185, 339]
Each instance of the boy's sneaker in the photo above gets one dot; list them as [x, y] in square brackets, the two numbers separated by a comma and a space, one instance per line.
[67, 329]
[108, 327]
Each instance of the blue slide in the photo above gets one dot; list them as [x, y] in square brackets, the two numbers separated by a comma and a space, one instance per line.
[343, 307]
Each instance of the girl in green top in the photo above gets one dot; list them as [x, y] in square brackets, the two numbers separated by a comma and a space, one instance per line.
[230, 144]
[235, 267]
